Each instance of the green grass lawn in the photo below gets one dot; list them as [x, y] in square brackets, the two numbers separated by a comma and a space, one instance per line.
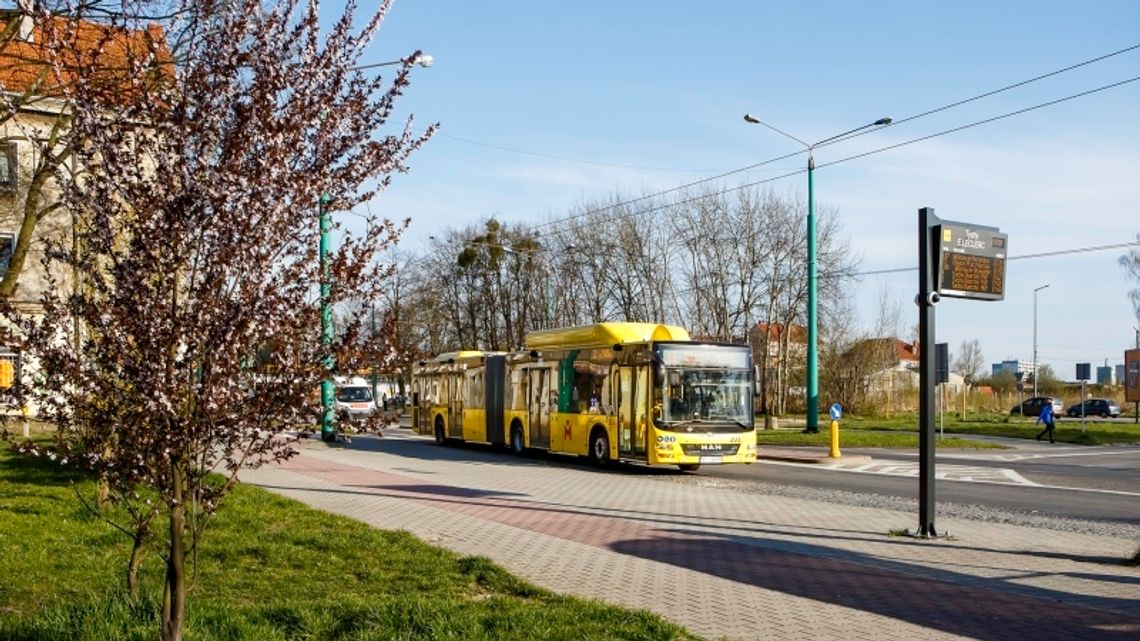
[1067, 430]
[901, 430]
[856, 437]
[270, 568]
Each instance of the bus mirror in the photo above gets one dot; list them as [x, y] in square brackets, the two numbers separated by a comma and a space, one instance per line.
[658, 374]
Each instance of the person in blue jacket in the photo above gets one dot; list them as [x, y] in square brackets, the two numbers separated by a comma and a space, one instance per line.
[1046, 417]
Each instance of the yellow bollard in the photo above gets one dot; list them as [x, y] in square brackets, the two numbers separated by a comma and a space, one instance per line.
[834, 440]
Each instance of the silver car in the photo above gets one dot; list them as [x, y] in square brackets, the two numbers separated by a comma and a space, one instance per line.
[1032, 406]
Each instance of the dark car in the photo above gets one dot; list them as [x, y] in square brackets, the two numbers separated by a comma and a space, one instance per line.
[1101, 407]
[1032, 406]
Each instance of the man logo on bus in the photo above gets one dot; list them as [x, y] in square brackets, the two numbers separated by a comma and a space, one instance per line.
[566, 431]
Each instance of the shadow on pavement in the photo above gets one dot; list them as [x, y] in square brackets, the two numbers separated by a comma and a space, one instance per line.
[422, 448]
[922, 597]
[790, 559]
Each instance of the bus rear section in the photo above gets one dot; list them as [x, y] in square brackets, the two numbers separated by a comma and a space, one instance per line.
[441, 389]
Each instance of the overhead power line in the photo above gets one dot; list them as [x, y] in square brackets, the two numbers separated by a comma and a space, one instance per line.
[577, 160]
[981, 122]
[834, 162]
[1060, 252]
[899, 270]
[726, 174]
[997, 91]
[856, 135]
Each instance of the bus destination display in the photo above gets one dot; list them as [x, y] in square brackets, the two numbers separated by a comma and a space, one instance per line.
[972, 262]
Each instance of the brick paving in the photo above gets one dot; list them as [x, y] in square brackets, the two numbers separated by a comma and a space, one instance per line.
[722, 563]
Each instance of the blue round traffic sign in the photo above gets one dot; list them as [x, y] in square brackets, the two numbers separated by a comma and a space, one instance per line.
[836, 411]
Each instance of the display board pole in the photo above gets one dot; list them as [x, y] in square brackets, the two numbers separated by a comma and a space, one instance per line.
[926, 299]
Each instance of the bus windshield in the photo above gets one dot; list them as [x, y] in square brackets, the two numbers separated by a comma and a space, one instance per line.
[696, 394]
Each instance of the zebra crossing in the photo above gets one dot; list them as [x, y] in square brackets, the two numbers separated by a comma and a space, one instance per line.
[949, 472]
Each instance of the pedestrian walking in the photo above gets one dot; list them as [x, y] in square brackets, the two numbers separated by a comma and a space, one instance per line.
[1046, 417]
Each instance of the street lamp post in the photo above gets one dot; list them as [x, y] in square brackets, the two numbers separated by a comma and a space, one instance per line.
[1035, 337]
[328, 429]
[328, 426]
[812, 276]
[372, 339]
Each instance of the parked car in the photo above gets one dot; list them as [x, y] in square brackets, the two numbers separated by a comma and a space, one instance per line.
[1101, 407]
[1032, 406]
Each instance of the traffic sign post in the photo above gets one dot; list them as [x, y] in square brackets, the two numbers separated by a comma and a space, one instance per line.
[942, 374]
[836, 414]
[958, 260]
[1083, 371]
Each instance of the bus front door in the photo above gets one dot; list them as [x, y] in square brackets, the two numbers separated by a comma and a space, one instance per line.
[538, 403]
[625, 410]
[633, 409]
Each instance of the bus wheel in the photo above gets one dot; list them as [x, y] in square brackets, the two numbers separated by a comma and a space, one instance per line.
[599, 448]
[517, 440]
[439, 437]
[689, 467]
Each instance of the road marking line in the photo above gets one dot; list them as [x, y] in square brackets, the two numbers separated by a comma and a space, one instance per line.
[869, 468]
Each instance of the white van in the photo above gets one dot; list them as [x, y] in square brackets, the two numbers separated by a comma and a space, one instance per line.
[354, 398]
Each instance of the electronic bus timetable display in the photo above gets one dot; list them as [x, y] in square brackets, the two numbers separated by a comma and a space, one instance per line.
[972, 261]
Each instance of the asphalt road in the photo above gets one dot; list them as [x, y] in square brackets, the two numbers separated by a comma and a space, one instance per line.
[1088, 483]
[1064, 481]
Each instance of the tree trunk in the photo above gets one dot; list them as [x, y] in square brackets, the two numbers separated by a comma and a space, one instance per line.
[104, 497]
[785, 340]
[765, 370]
[174, 592]
[31, 218]
[104, 485]
[134, 563]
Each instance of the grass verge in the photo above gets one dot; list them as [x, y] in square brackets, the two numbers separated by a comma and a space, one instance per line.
[1094, 432]
[865, 438]
[269, 569]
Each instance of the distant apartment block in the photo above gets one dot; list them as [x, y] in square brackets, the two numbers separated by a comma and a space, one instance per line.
[1106, 375]
[1025, 368]
[1119, 369]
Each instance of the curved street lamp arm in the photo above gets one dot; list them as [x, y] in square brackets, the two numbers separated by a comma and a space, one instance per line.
[422, 60]
[756, 121]
[837, 137]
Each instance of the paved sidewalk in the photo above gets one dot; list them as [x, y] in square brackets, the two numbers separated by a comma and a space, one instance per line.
[722, 563]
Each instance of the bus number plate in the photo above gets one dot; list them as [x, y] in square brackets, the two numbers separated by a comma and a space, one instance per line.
[712, 460]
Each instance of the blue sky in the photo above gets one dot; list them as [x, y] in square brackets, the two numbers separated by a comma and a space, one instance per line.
[652, 95]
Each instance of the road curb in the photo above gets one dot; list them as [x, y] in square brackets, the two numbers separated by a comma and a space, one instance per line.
[813, 458]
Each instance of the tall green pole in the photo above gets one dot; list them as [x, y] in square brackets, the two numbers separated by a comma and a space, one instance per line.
[328, 427]
[812, 396]
[374, 346]
[812, 309]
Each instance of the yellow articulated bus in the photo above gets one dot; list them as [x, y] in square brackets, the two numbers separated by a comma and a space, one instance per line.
[611, 391]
